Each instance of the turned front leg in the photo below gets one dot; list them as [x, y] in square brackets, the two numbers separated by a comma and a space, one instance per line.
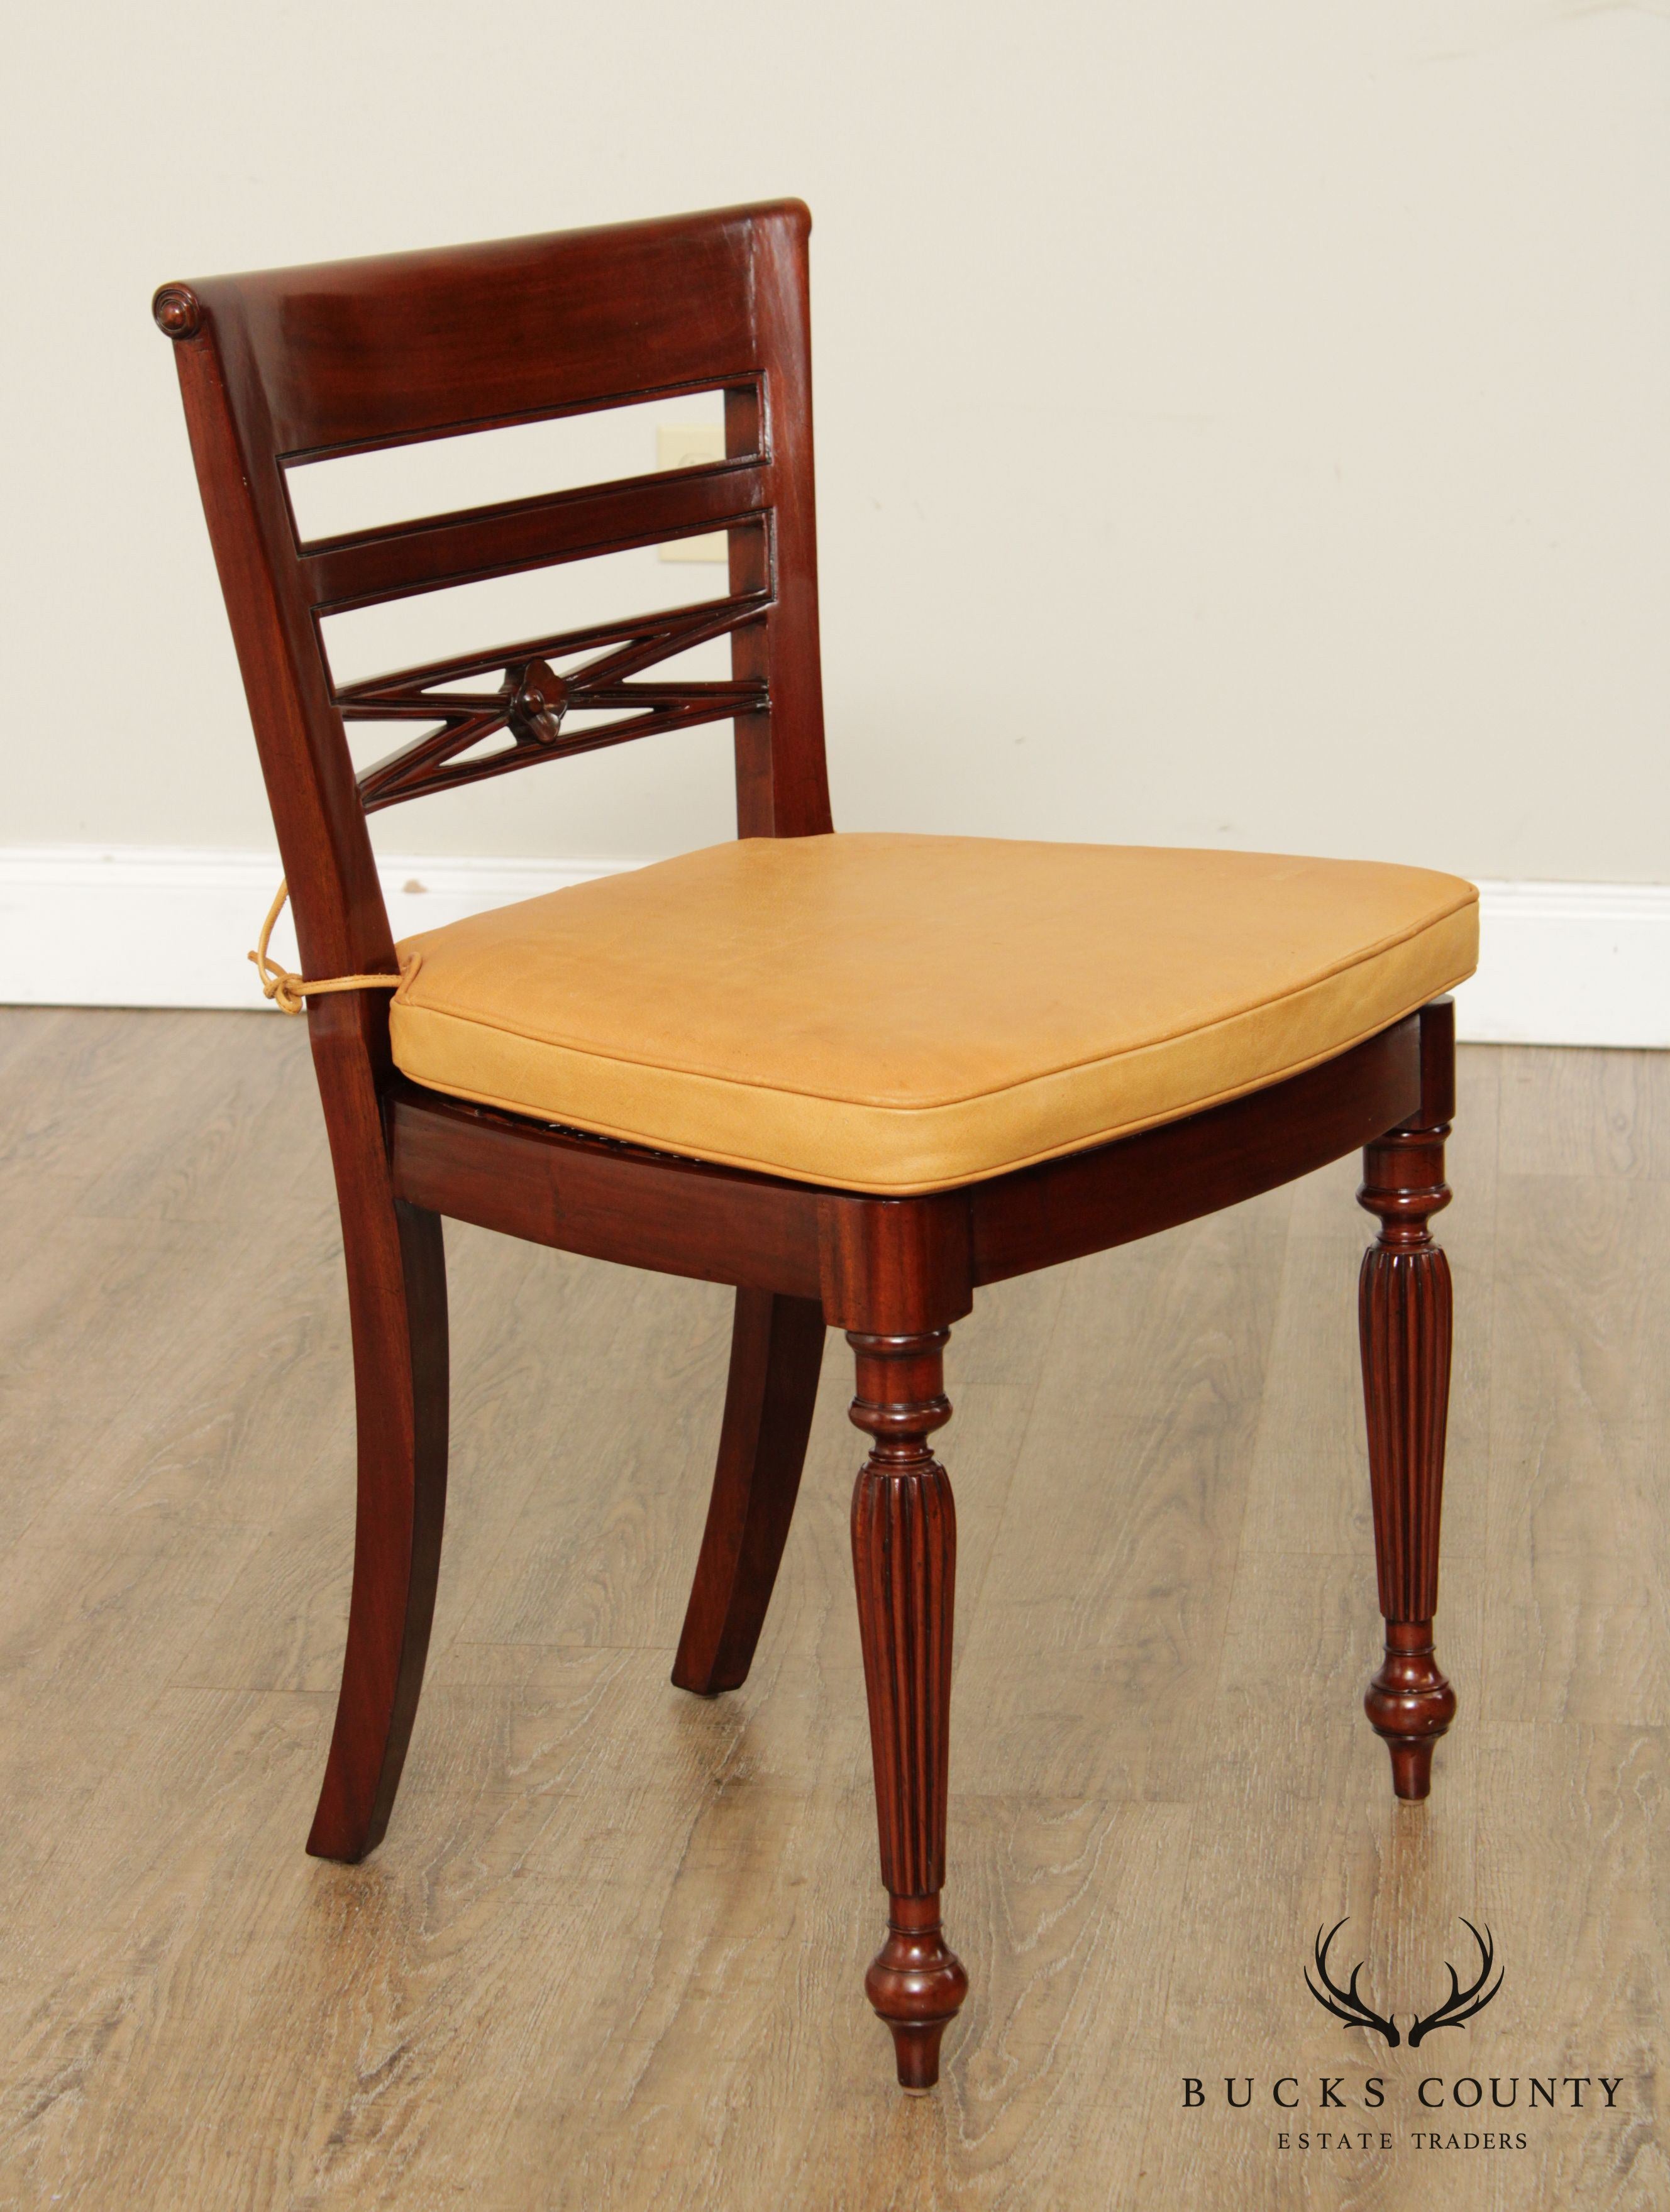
[1405, 1315]
[904, 1559]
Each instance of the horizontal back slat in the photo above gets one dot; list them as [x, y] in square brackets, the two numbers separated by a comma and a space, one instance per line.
[356, 354]
[527, 534]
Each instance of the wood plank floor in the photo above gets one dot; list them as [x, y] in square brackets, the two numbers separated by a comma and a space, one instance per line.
[610, 1954]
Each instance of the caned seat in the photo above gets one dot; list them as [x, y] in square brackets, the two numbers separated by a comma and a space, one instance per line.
[902, 1014]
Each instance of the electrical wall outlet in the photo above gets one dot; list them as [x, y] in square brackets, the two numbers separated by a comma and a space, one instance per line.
[687, 446]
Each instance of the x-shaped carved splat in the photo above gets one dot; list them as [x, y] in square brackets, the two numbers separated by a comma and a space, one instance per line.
[532, 699]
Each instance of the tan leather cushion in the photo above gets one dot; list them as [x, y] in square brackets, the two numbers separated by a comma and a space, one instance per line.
[900, 1013]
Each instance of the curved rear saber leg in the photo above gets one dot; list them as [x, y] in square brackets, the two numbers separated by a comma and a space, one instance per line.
[777, 1350]
[397, 1290]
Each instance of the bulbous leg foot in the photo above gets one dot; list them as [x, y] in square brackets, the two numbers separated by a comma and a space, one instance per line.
[1410, 1704]
[917, 1984]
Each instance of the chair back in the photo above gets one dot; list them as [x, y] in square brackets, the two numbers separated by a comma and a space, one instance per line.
[285, 367]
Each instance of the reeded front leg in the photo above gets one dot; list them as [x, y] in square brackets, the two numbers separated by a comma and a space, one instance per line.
[904, 1559]
[1405, 1315]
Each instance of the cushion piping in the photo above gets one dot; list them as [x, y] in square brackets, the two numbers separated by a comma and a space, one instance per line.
[593, 1127]
[666, 1065]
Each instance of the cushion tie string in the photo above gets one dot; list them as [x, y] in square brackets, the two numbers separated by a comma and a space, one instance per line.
[288, 991]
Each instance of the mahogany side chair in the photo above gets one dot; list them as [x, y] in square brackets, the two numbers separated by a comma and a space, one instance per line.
[856, 1076]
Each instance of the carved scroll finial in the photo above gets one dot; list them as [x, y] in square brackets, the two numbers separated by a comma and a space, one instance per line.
[179, 312]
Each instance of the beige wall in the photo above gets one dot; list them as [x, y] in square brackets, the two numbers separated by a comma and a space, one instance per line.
[1240, 424]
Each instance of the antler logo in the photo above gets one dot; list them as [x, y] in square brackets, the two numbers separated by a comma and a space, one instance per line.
[1460, 2005]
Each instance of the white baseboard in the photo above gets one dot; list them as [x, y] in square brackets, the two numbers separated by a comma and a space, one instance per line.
[161, 925]
[171, 925]
[1570, 964]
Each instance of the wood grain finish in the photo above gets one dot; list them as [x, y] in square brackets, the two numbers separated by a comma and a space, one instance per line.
[777, 1353]
[1405, 1321]
[281, 367]
[397, 1304]
[592, 1195]
[396, 1271]
[905, 1565]
[1089, 1202]
[534, 700]
[373, 565]
[606, 1201]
